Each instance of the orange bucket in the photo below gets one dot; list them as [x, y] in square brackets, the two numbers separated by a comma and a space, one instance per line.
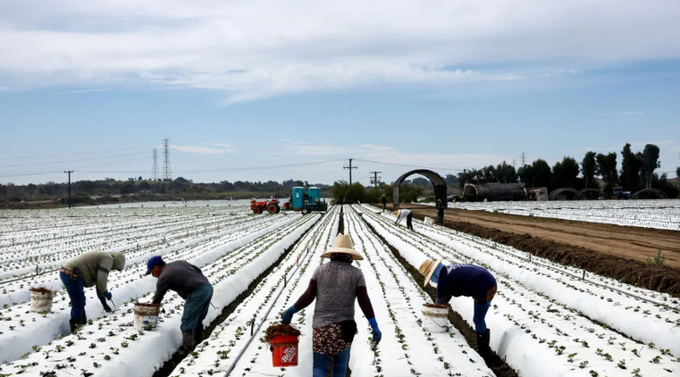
[284, 351]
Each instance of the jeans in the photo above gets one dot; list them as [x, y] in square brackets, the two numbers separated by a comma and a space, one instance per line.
[76, 292]
[196, 307]
[409, 221]
[320, 364]
[478, 317]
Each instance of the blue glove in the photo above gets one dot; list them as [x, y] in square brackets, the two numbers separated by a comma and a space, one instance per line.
[287, 316]
[106, 306]
[377, 335]
[108, 295]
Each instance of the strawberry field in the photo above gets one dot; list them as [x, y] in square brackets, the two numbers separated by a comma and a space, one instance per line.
[546, 320]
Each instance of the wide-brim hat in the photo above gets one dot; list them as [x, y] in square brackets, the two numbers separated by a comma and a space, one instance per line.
[397, 212]
[342, 244]
[427, 268]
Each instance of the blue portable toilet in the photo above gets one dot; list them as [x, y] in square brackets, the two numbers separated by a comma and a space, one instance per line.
[298, 198]
[314, 195]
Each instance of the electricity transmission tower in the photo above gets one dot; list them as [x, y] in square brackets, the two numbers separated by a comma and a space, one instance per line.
[167, 172]
[155, 165]
[375, 179]
[350, 170]
[523, 157]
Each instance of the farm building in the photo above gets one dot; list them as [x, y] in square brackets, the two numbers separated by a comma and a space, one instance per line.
[494, 192]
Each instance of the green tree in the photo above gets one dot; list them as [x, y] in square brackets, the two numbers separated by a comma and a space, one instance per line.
[630, 169]
[506, 173]
[606, 168]
[588, 169]
[650, 161]
[565, 173]
[543, 175]
[409, 193]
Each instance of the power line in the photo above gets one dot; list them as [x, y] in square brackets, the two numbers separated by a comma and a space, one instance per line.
[69, 154]
[410, 166]
[70, 161]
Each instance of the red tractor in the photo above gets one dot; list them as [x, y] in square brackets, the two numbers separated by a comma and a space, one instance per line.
[271, 206]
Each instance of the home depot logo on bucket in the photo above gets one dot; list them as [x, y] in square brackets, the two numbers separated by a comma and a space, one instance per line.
[289, 354]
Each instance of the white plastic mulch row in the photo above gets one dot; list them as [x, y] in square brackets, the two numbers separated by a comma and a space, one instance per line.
[23, 329]
[16, 292]
[660, 214]
[218, 354]
[112, 348]
[534, 324]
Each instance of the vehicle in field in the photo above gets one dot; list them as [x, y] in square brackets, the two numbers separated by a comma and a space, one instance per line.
[271, 206]
[306, 201]
[618, 193]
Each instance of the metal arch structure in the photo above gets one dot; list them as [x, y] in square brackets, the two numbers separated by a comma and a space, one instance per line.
[656, 192]
[437, 181]
[600, 194]
[557, 192]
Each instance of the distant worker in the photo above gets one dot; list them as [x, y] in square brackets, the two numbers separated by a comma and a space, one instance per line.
[190, 284]
[384, 202]
[464, 280]
[88, 270]
[335, 286]
[408, 214]
[440, 211]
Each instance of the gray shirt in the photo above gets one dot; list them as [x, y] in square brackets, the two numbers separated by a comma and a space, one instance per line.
[180, 276]
[337, 284]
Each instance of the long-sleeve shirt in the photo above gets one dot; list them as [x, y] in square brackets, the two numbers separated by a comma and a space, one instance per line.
[94, 267]
[403, 214]
[179, 276]
[463, 280]
[336, 285]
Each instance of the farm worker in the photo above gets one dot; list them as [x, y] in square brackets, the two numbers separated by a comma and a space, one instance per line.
[384, 202]
[440, 211]
[190, 284]
[88, 270]
[335, 286]
[464, 280]
[408, 214]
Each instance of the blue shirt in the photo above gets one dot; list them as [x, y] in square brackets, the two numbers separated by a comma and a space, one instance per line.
[463, 280]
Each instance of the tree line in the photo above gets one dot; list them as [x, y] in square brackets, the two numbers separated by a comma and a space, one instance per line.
[637, 172]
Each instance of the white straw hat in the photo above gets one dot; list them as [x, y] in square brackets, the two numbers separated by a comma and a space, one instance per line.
[342, 244]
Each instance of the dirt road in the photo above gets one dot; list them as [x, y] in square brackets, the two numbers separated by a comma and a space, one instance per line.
[616, 251]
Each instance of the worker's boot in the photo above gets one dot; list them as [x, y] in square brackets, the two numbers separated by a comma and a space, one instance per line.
[198, 334]
[483, 344]
[188, 343]
[73, 324]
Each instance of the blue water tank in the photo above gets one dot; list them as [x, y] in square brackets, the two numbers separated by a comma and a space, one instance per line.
[298, 197]
[314, 194]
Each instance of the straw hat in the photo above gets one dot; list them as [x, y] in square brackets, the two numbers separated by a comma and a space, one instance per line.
[342, 244]
[397, 212]
[427, 269]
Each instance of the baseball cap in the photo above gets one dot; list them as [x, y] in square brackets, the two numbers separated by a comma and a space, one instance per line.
[153, 261]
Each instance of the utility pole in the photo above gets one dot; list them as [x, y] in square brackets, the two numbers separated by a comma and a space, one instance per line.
[350, 170]
[69, 186]
[375, 178]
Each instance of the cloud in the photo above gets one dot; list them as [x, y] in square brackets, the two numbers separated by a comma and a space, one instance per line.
[200, 150]
[84, 91]
[259, 49]
[625, 113]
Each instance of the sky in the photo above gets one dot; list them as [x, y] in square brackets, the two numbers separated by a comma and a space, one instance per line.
[259, 90]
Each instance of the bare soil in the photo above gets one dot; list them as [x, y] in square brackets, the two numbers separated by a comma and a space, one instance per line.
[619, 252]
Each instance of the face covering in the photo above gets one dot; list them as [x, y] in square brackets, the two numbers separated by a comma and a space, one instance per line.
[434, 279]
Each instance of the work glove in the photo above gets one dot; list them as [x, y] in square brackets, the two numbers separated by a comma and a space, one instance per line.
[287, 316]
[377, 335]
[106, 306]
[108, 295]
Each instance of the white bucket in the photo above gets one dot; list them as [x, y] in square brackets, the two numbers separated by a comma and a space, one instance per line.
[41, 300]
[146, 316]
[428, 221]
[435, 319]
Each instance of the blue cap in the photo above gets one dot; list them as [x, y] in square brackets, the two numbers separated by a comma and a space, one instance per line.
[153, 262]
